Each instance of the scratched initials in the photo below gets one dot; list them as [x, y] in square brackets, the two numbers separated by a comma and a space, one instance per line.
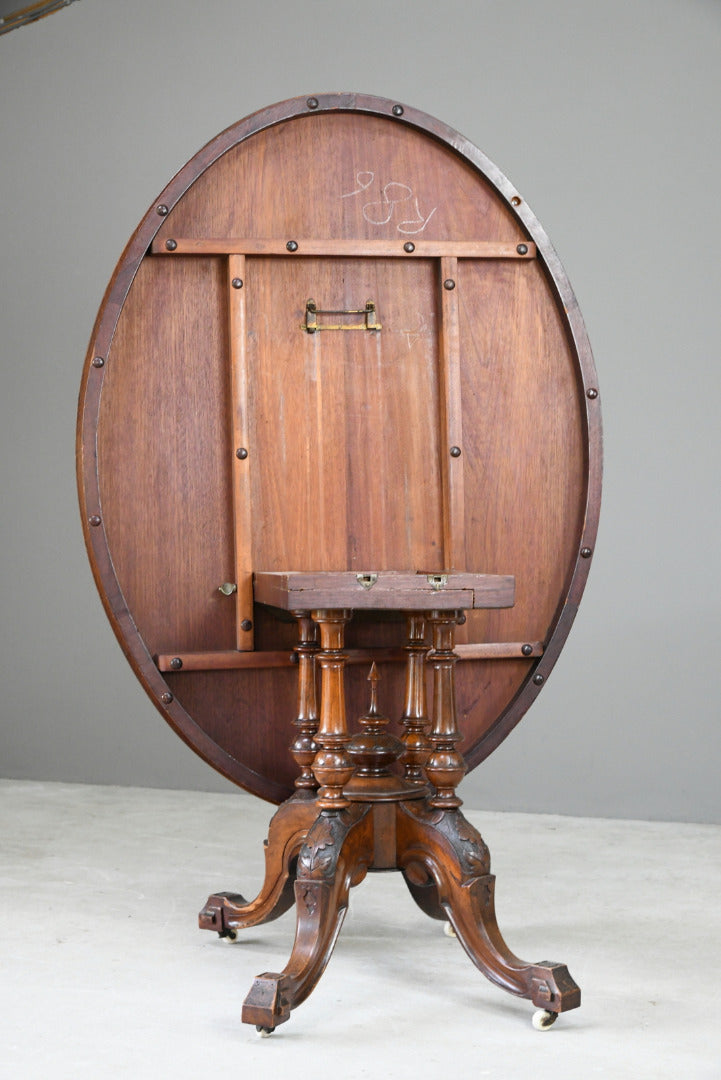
[392, 196]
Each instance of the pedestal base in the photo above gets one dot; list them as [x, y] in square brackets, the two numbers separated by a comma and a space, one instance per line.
[316, 858]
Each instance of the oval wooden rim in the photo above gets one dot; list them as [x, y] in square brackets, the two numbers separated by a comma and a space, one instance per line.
[88, 413]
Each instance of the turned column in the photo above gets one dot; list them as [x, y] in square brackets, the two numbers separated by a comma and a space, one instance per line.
[332, 765]
[304, 747]
[445, 767]
[415, 711]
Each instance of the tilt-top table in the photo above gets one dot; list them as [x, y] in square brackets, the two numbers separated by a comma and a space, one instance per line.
[339, 456]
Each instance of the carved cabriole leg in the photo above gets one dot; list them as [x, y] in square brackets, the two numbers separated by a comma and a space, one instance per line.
[415, 714]
[228, 912]
[445, 767]
[441, 849]
[332, 765]
[336, 856]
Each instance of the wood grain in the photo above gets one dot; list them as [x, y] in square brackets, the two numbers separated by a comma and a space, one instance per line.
[386, 249]
[346, 442]
[243, 462]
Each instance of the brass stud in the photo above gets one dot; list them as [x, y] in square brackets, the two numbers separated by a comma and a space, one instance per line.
[162, 209]
[592, 393]
[246, 625]
[312, 102]
[586, 553]
[516, 200]
[241, 453]
[176, 663]
[171, 244]
[409, 247]
[166, 698]
[522, 249]
[292, 245]
[449, 284]
[538, 679]
[526, 649]
[98, 361]
[455, 451]
[237, 283]
[95, 520]
[397, 110]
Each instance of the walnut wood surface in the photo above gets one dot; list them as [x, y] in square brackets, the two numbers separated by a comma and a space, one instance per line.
[387, 590]
[346, 466]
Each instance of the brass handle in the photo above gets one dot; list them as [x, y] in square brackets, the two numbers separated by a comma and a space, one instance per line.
[312, 311]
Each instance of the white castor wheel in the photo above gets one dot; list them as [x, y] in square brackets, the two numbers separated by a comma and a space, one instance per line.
[448, 930]
[543, 1019]
[264, 1032]
[231, 936]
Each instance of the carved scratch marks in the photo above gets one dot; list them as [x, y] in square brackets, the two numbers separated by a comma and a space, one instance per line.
[393, 201]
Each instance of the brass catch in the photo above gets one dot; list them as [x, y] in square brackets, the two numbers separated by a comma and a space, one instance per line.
[312, 311]
[437, 581]
[366, 580]
[228, 588]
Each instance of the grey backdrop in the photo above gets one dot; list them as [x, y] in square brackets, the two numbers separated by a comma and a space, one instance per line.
[606, 117]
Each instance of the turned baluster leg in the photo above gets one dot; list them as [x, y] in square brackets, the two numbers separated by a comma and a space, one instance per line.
[415, 714]
[229, 912]
[445, 767]
[304, 747]
[332, 765]
[336, 854]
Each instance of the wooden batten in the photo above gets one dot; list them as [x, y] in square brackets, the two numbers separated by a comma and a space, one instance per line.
[242, 452]
[234, 660]
[381, 249]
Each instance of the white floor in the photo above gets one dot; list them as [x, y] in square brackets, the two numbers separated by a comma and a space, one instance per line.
[103, 972]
